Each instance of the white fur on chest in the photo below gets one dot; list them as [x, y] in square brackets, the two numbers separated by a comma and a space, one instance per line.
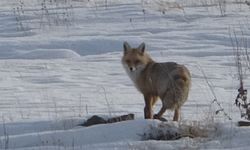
[134, 75]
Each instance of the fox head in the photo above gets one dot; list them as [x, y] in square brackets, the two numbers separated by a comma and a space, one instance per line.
[135, 59]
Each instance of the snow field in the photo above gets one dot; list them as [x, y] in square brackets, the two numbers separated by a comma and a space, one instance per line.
[61, 65]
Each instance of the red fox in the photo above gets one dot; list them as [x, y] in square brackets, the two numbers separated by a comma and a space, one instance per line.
[168, 81]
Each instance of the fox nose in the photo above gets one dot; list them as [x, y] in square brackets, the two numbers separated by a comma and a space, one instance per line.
[132, 69]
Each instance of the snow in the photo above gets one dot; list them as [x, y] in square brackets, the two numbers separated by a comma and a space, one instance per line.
[62, 65]
[49, 54]
[122, 135]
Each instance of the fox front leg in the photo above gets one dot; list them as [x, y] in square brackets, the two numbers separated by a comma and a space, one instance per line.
[148, 107]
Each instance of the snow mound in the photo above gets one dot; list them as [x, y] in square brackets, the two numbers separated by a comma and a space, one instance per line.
[49, 54]
[67, 134]
[42, 135]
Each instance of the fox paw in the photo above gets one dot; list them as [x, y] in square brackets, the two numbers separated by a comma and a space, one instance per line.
[159, 118]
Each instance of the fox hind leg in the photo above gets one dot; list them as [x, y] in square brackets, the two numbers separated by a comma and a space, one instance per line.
[161, 112]
[176, 114]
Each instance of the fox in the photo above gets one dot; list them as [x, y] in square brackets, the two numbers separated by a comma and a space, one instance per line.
[168, 81]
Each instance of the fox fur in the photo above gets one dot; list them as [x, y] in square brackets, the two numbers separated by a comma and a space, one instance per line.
[168, 81]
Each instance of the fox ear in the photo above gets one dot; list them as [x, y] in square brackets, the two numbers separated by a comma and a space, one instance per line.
[142, 47]
[126, 47]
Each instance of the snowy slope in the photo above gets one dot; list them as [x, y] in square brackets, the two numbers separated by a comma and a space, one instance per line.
[60, 64]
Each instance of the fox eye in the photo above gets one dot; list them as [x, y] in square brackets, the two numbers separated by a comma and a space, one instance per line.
[128, 61]
[137, 61]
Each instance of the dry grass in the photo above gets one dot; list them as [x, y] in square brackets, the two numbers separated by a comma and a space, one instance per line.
[175, 131]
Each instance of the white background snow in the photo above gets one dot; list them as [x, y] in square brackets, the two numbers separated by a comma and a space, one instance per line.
[60, 64]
